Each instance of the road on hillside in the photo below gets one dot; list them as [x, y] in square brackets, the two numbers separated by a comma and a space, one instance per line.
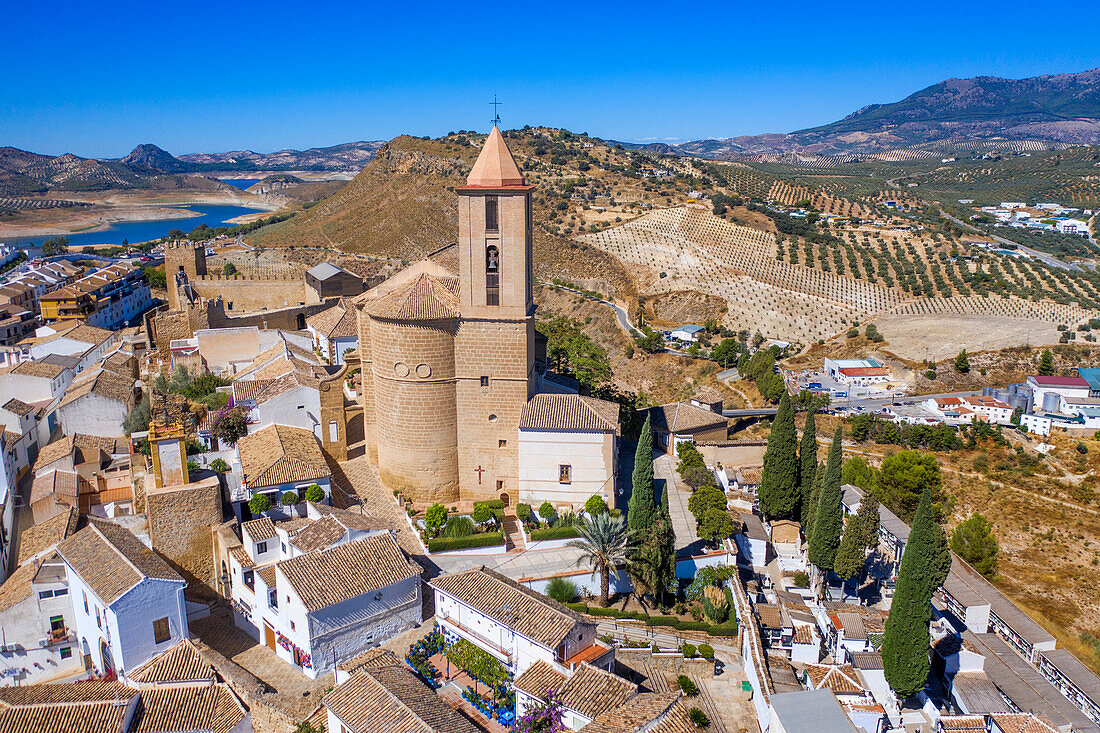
[1041, 256]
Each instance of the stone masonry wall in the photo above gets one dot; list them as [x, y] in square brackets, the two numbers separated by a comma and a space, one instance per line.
[179, 527]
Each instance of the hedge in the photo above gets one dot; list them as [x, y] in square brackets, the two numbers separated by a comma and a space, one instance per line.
[727, 629]
[486, 539]
[554, 533]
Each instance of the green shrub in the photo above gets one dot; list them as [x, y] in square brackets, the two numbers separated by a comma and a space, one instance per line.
[688, 650]
[1082, 448]
[290, 498]
[687, 686]
[486, 539]
[523, 511]
[546, 510]
[930, 374]
[561, 590]
[459, 527]
[192, 466]
[259, 504]
[595, 505]
[663, 621]
[218, 465]
[481, 514]
[698, 718]
[435, 517]
[554, 533]
[314, 493]
[706, 651]
[801, 580]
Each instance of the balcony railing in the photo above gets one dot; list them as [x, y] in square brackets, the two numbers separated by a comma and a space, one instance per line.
[57, 636]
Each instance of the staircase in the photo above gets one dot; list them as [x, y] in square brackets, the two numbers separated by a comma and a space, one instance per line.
[514, 536]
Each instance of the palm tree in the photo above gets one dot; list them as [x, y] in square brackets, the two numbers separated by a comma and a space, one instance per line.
[605, 543]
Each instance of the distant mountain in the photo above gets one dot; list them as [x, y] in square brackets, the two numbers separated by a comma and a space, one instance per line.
[1063, 108]
[151, 158]
[345, 157]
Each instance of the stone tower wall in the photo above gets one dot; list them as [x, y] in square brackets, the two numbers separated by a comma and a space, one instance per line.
[417, 423]
[189, 257]
[498, 350]
[366, 397]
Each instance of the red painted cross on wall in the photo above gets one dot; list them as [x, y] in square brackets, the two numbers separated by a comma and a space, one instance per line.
[480, 471]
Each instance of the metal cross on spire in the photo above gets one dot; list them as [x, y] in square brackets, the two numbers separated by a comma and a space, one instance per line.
[496, 112]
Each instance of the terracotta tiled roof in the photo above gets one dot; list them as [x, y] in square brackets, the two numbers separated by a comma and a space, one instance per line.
[370, 659]
[111, 560]
[285, 383]
[38, 369]
[393, 700]
[59, 484]
[267, 574]
[425, 298]
[841, 679]
[1021, 723]
[528, 613]
[90, 334]
[181, 663]
[103, 382]
[86, 445]
[569, 412]
[350, 519]
[803, 634]
[248, 389]
[260, 529]
[17, 587]
[242, 557]
[319, 535]
[100, 717]
[86, 691]
[47, 534]
[18, 407]
[495, 167]
[281, 454]
[211, 708]
[336, 322]
[963, 723]
[589, 691]
[323, 578]
[682, 417]
[658, 712]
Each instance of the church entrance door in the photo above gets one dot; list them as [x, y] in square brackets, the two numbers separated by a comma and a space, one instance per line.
[504, 498]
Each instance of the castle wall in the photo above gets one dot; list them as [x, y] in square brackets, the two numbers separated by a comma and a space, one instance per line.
[413, 366]
[250, 294]
[180, 518]
[366, 380]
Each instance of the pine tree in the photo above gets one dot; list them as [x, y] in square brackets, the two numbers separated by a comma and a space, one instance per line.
[829, 513]
[779, 483]
[850, 555]
[807, 459]
[1046, 364]
[924, 567]
[642, 509]
[962, 362]
[867, 518]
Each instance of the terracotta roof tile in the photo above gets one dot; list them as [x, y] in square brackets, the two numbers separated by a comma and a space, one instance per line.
[531, 614]
[538, 679]
[111, 560]
[682, 417]
[345, 571]
[260, 529]
[248, 389]
[339, 321]
[425, 298]
[370, 659]
[17, 587]
[569, 412]
[393, 700]
[841, 679]
[100, 717]
[59, 484]
[211, 708]
[38, 369]
[47, 534]
[181, 663]
[659, 712]
[46, 694]
[589, 691]
[281, 454]
[102, 382]
[319, 535]
[18, 407]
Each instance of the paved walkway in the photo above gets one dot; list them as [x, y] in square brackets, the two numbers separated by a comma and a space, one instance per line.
[683, 521]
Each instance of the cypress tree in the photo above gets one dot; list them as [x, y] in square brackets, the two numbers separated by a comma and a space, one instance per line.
[850, 555]
[779, 483]
[828, 519]
[642, 509]
[924, 567]
[809, 512]
[867, 517]
[807, 459]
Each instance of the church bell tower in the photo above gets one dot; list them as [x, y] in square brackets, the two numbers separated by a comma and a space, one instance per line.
[494, 348]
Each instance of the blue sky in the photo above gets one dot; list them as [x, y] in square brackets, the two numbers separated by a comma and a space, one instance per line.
[98, 78]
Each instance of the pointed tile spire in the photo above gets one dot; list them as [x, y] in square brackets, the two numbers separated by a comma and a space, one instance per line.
[495, 167]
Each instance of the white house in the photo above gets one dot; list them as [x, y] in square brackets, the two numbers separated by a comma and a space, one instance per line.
[688, 333]
[388, 697]
[584, 694]
[36, 612]
[962, 410]
[97, 402]
[514, 624]
[846, 683]
[70, 338]
[278, 459]
[858, 372]
[1072, 226]
[323, 588]
[752, 540]
[334, 331]
[20, 437]
[128, 602]
[568, 450]
[292, 399]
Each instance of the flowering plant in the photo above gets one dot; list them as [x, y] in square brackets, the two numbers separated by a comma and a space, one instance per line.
[544, 717]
